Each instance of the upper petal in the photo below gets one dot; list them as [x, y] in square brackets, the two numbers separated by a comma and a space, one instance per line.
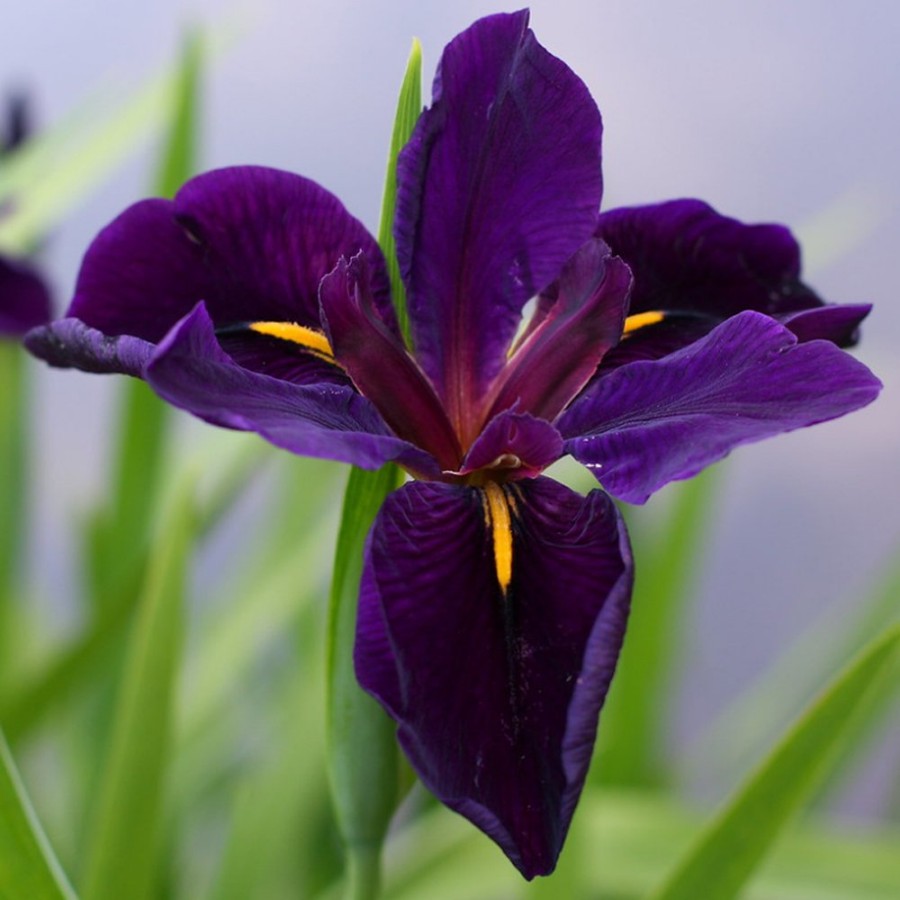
[496, 693]
[190, 370]
[24, 299]
[252, 243]
[687, 258]
[498, 187]
[650, 422]
[380, 365]
[562, 351]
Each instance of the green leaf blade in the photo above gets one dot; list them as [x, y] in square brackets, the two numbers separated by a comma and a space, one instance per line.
[730, 849]
[409, 107]
[123, 843]
[28, 867]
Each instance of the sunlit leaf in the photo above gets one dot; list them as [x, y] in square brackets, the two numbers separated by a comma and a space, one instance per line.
[13, 519]
[732, 846]
[124, 839]
[28, 868]
[790, 680]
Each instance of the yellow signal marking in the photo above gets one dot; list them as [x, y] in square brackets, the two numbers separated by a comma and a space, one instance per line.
[498, 519]
[642, 320]
[308, 338]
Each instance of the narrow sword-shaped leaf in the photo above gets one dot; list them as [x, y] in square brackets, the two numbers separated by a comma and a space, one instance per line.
[728, 851]
[769, 702]
[123, 841]
[28, 867]
[13, 519]
[409, 107]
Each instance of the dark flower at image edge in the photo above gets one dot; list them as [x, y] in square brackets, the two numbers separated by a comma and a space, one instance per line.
[24, 298]
[494, 600]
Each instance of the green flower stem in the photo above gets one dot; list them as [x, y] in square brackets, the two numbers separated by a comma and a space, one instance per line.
[361, 747]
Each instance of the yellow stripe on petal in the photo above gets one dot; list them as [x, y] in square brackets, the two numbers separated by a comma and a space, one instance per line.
[642, 320]
[308, 338]
[498, 509]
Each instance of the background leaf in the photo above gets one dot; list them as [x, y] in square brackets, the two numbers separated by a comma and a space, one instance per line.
[729, 850]
[125, 835]
[28, 868]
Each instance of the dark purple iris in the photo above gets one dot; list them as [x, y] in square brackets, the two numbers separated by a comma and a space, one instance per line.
[24, 299]
[494, 600]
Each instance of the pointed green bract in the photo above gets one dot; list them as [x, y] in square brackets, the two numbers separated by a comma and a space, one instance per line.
[28, 867]
[409, 107]
[124, 840]
[733, 845]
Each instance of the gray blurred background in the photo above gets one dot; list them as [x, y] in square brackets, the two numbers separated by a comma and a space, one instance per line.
[778, 111]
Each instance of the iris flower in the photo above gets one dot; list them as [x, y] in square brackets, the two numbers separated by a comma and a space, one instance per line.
[24, 299]
[494, 599]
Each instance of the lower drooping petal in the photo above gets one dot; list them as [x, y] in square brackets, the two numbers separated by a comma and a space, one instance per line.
[647, 423]
[496, 693]
[190, 370]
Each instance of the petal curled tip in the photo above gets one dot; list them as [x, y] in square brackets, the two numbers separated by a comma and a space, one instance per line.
[70, 344]
[650, 422]
[498, 716]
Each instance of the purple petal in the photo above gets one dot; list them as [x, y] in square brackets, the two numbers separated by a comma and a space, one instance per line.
[69, 343]
[517, 444]
[498, 187]
[191, 371]
[24, 299]
[252, 243]
[279, 358]
[651, 422]
[838, 323]
[559, 356]
[380, 365]
[686, 257]
[496, 695]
